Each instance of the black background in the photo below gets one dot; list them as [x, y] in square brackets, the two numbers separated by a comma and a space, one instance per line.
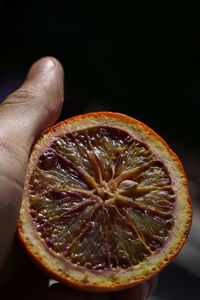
[115, 58]
[144, 63]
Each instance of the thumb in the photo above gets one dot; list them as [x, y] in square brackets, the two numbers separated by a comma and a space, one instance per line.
[35, 105]
[23, 115]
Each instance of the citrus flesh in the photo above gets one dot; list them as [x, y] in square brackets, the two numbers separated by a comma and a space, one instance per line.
[105, 202]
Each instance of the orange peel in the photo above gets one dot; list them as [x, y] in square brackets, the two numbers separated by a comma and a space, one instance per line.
[126, 182]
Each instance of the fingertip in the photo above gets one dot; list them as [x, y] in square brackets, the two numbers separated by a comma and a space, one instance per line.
[46, 77]
[152, 284]
[60, 292]
[36, 105]
[138, 292]
[45, 65]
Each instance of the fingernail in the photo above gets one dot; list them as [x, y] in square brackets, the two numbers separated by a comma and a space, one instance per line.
[43, 65]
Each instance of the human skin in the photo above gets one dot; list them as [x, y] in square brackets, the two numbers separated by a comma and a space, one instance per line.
[24, 114]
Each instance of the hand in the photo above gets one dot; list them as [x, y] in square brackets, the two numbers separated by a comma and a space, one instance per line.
[35, 106]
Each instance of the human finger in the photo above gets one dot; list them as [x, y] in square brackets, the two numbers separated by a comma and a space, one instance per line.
[23, 115]
[139, 292]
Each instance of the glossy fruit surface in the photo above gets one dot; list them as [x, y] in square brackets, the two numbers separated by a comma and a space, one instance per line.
[105, 203]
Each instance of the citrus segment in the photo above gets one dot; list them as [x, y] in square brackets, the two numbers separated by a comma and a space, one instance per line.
[103, 194]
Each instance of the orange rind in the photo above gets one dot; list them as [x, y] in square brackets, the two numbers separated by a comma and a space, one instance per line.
[105, 203]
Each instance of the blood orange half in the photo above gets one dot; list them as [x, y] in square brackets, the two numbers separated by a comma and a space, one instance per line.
[105, 202]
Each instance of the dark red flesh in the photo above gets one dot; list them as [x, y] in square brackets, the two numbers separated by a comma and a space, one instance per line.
[101, 199]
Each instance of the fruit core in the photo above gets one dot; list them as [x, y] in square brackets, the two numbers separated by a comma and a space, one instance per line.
[101, 199]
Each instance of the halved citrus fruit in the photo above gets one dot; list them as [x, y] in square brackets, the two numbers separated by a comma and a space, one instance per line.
[105, 202]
